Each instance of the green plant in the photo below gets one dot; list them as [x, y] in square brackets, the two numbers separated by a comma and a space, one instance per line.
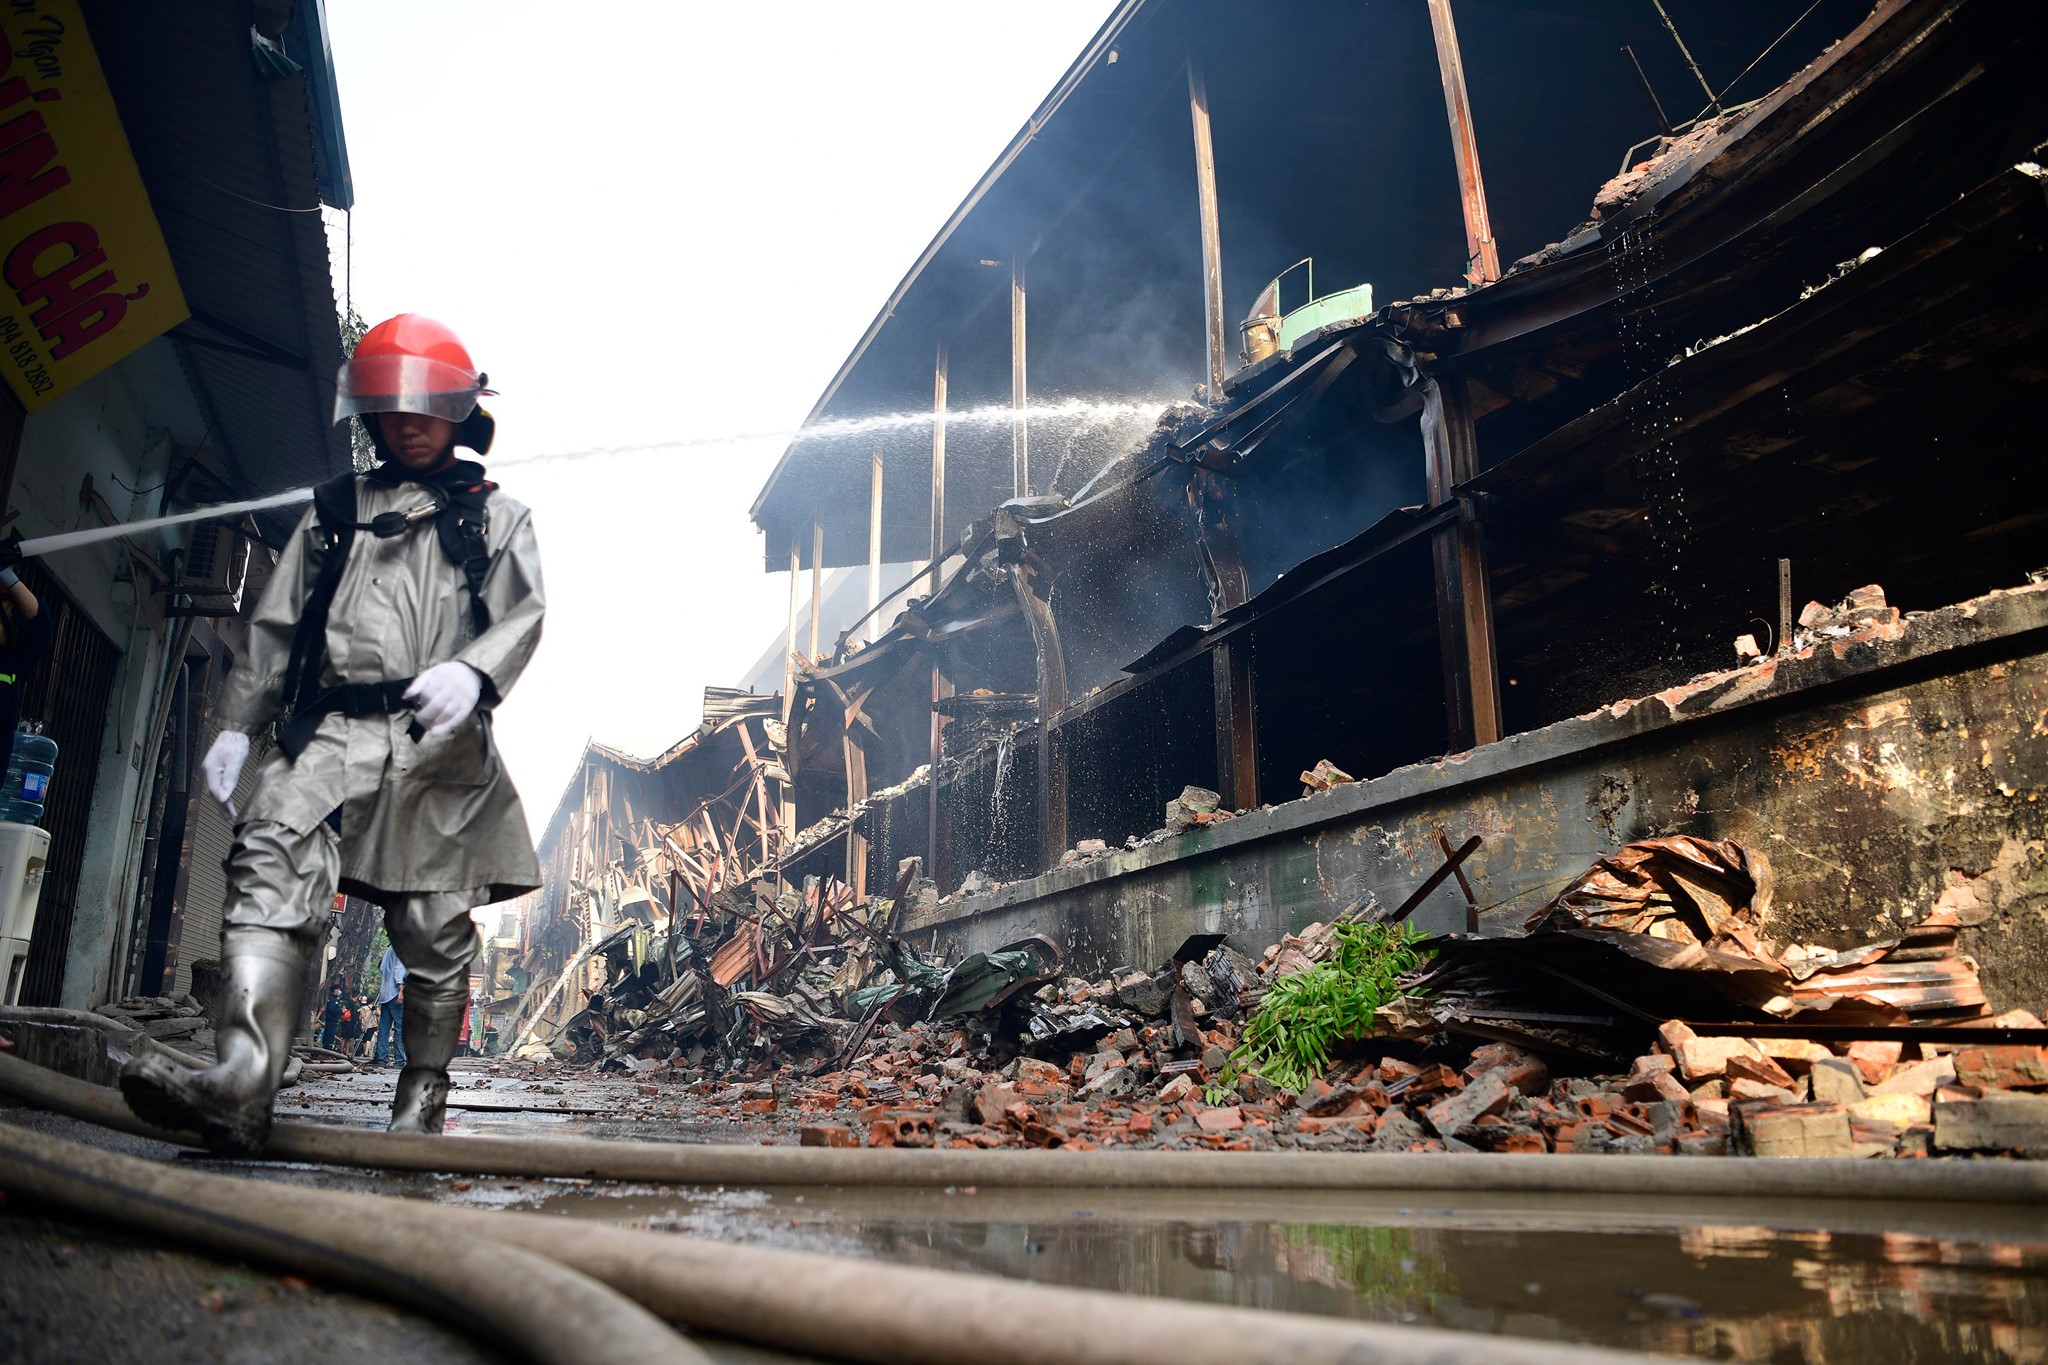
[373, 972]
[1287, 1040]
[361, 447]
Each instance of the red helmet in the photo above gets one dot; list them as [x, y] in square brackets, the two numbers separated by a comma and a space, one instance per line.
[409, 363]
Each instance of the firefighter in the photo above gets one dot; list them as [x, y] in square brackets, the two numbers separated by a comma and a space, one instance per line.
[401, 611]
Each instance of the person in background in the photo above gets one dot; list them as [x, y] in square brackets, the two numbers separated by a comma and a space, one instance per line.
[25, 630]
[330, 1016]
[390, 1008]
[352, 1024]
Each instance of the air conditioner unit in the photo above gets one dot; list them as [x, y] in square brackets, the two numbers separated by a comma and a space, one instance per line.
[216, 565]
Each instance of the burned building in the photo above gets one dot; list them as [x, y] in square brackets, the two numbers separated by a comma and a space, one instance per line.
[630, 842]
[1484, 525]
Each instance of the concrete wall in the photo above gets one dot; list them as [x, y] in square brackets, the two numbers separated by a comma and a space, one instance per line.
[1880, 777]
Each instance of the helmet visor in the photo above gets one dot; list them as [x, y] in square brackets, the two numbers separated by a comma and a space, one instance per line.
[405, 383]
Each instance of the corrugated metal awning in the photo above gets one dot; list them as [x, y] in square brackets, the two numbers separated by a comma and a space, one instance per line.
[228, 158]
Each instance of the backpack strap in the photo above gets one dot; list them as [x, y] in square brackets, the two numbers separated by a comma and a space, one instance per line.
[464, 528]
[334, 512]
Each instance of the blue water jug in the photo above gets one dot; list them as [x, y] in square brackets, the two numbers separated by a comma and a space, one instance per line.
[27, 784]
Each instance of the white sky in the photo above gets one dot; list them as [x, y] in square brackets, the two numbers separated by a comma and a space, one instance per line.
[652, 221]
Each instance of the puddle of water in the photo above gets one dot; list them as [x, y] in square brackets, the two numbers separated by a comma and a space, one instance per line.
[1734, 1280]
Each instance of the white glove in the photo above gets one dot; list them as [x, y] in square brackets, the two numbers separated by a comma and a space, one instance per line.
[223, 766]
[446, 694]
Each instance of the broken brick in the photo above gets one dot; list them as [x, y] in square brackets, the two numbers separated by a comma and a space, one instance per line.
[827, 1135]
[2003, 1068]
[1796, 1055]
[1655, 1085]
[1874, 1060]
[1312, 1125]
[2000, 1120]
[1759, 1068]
[1903, 1110]
[1702, 1059]
[1487, 1095]
[1752, 1090]
[1918, 1078]
[1835, 1080]
[1435, 1078]
[1794, 1130]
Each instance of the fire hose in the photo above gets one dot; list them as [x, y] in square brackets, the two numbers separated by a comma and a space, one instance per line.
[564, 1290]
[1974, 1182]
[519, 1298]
[804, 1302]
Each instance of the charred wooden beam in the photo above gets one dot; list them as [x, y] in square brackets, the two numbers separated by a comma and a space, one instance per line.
[1219, 550]
[1025, 578]
[1463, 594]
[856, 792]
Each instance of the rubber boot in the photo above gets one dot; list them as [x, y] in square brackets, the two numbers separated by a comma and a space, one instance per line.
[228, 1104]
[432, 1024]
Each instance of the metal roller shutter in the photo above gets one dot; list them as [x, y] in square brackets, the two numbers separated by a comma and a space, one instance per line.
[69, 694]
[207, 839]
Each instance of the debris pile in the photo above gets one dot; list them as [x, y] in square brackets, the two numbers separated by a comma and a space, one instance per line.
[177, 1020]
[1701, 1035]
[1324, 777]
[1193, 808]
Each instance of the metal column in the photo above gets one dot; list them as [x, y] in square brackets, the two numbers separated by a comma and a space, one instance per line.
[817, 581]
[1482, 258]
[941, 689]
[1212, 235]
[789, 643]
[1020, 435]
[786, 808]
[1464, 596]
[938, 465]
[875, 547]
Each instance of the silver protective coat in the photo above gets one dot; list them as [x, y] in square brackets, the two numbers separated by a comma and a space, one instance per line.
[435, 815]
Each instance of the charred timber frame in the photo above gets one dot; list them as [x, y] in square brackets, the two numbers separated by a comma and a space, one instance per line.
[1464, 600]
[856, 759]
[1220, 553]
[1027, 577]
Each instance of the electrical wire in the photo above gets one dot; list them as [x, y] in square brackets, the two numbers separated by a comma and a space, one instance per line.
[1759, 57]
[259, 203]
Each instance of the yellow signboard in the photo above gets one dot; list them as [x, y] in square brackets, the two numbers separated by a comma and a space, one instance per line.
[85, 277]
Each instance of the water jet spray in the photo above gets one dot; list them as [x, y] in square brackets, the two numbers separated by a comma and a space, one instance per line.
[837, 429]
